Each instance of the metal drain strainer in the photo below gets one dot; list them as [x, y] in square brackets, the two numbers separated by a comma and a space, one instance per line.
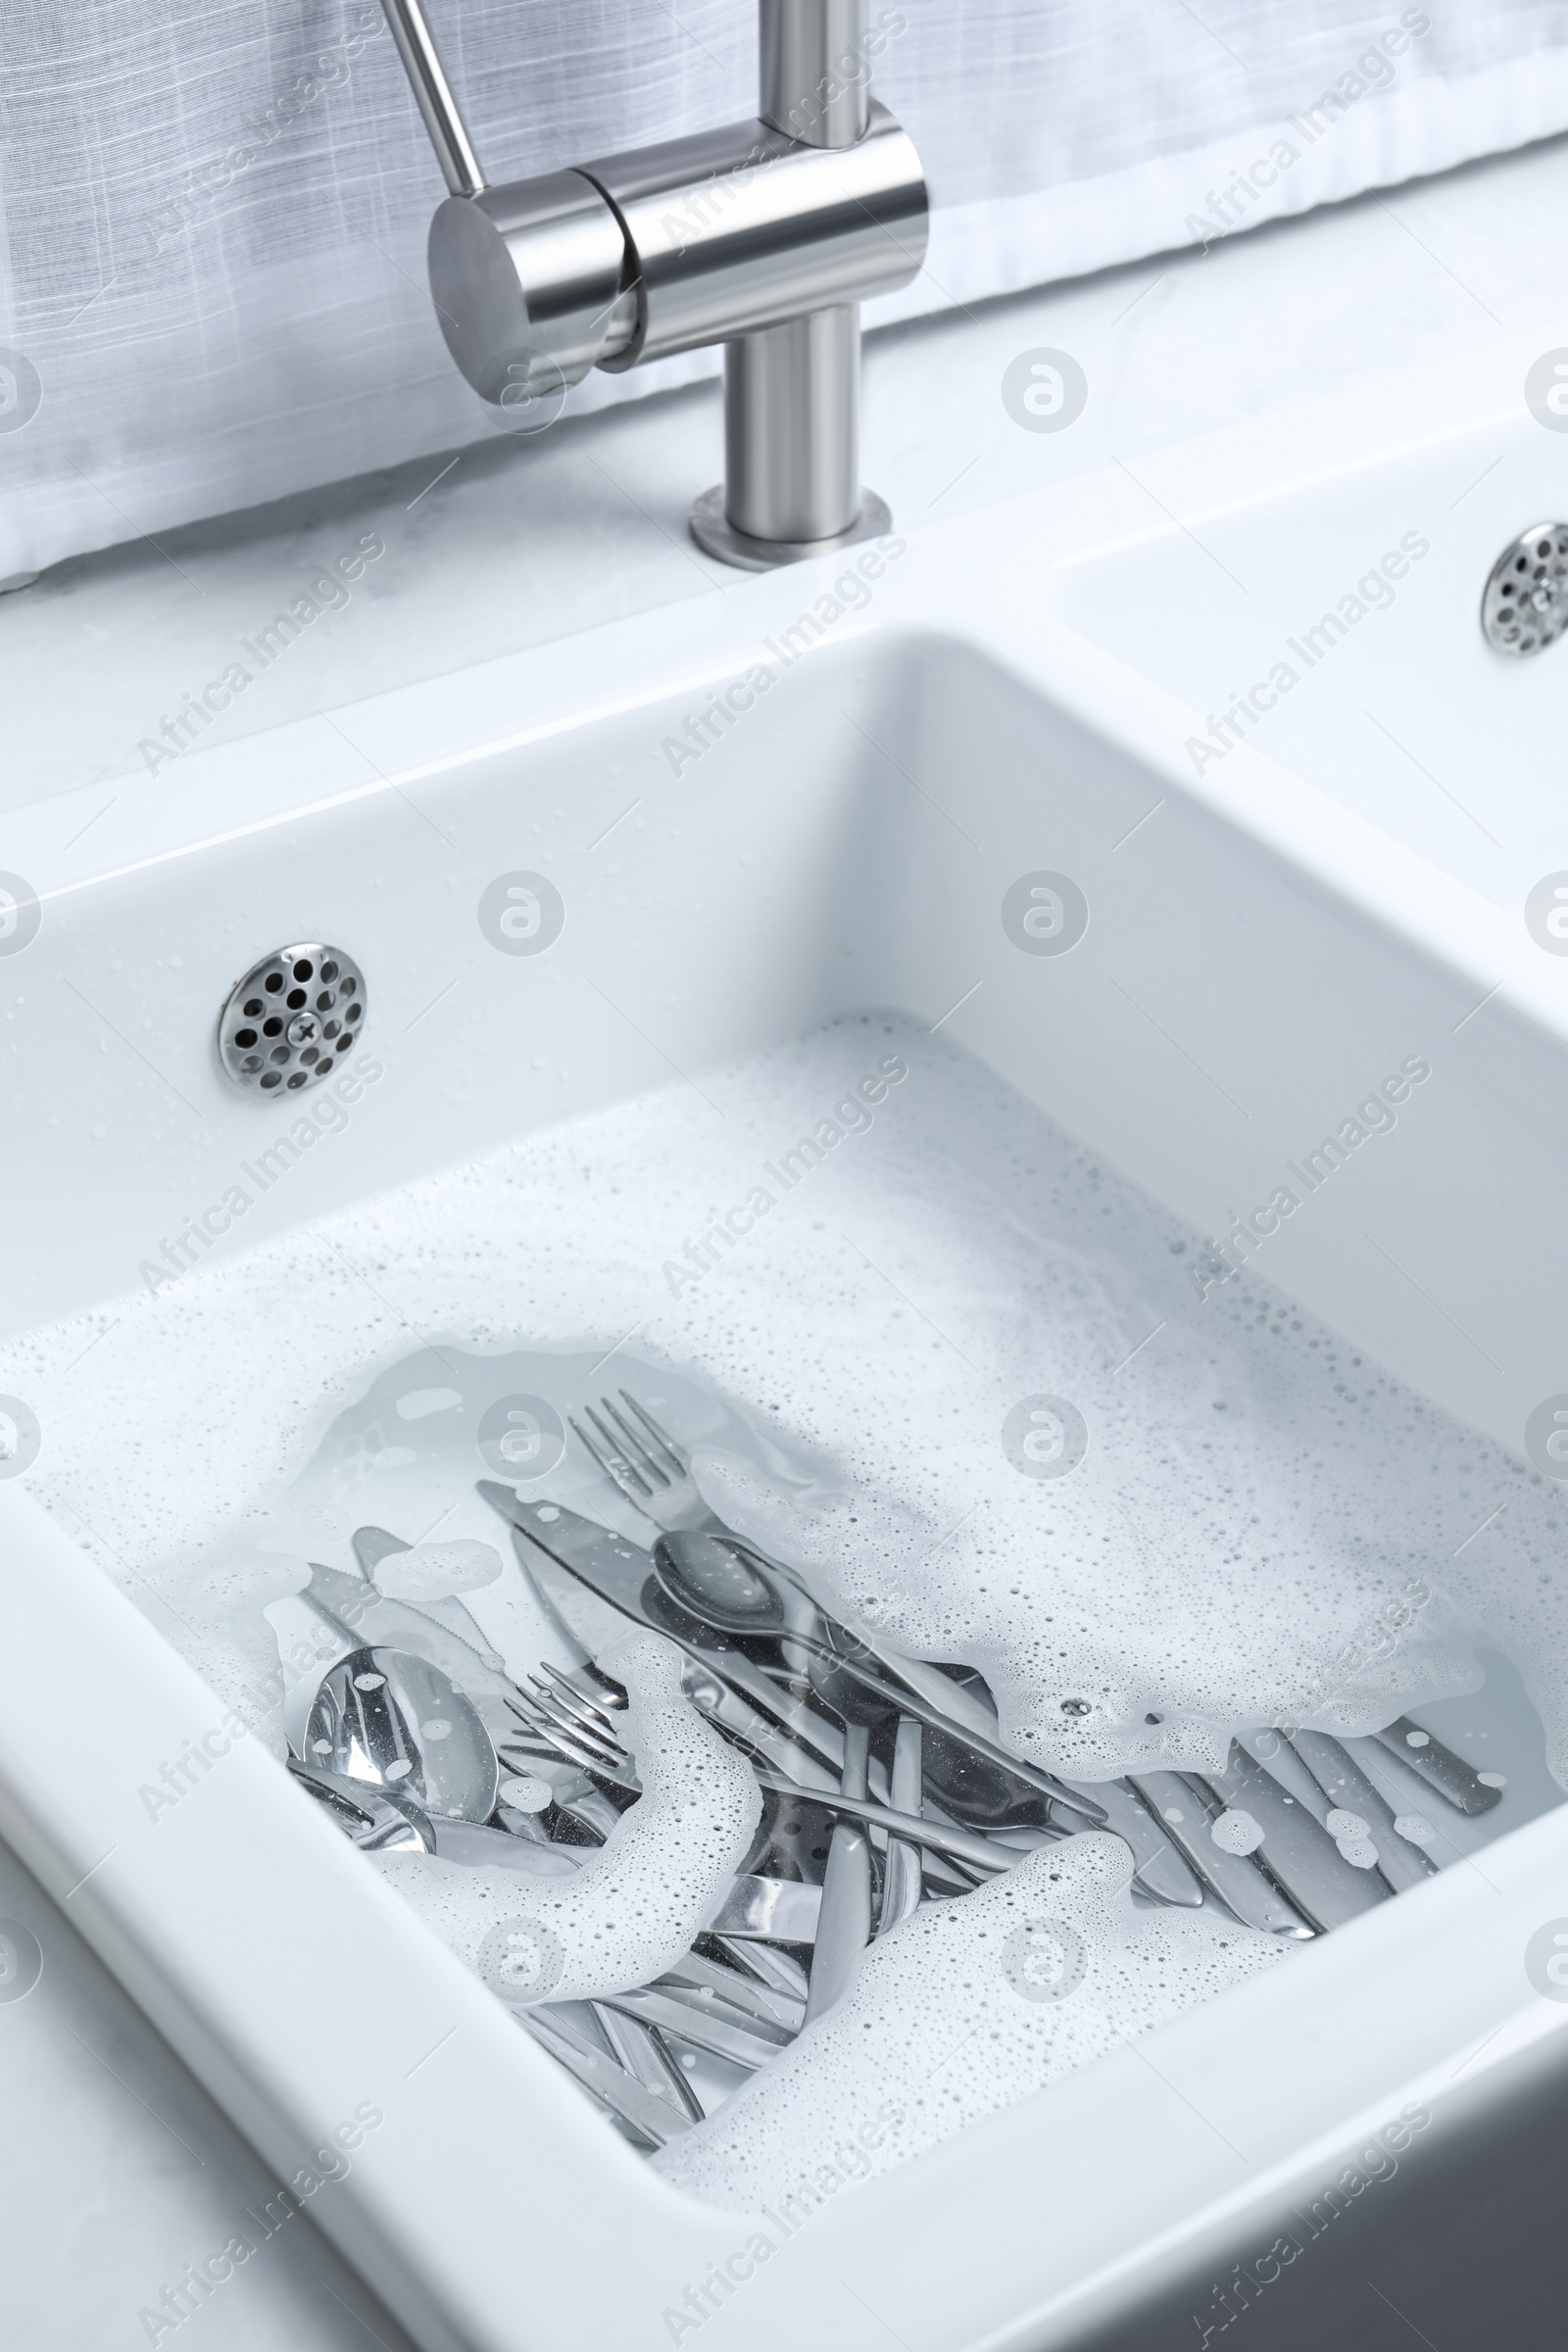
[292, 1019]
[1526, 604]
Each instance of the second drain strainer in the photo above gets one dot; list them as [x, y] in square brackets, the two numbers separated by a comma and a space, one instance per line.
[1526, 603]
[292, 1019]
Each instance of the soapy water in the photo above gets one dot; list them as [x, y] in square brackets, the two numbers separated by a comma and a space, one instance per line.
[635, 1905]
[965, 2008]
[920, 1344]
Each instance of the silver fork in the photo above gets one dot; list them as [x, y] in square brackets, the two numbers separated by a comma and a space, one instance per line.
[649, 1467]
[573, 1727]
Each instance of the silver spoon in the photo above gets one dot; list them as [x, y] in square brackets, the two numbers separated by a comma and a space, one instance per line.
[725, 1585]
[379, 1823]
[370, 1820]
[393, 1721]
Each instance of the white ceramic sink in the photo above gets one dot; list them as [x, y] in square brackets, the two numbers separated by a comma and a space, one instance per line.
[1329, 564]
[1256, 954]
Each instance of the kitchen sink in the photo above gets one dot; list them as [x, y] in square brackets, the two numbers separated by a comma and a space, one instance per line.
[939, 792]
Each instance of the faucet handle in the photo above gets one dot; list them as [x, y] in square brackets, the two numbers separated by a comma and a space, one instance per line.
[532, 285]
[530, 281]
[443, 118]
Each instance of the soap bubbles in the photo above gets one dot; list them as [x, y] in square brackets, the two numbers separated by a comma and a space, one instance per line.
[1236, 1832]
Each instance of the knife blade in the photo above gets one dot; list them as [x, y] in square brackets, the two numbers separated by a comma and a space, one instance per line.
[619, 1571]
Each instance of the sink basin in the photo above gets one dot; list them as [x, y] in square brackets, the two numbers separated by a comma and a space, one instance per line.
[1327, 567]
[816, 793]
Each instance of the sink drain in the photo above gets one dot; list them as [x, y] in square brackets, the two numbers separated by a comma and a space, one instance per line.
[1526, 604]
[292, 1019]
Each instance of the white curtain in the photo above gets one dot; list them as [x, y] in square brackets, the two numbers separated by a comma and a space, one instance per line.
[213, 211]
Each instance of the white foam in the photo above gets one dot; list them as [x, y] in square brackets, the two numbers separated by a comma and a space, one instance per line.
[428, 1572]
[637, 1902]
[965, 2008]
[1255, 1504]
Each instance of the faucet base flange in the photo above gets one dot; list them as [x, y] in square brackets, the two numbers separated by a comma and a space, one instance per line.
[717, 536]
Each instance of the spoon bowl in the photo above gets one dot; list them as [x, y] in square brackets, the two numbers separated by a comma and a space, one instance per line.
[718, 1581]
[392, 1721]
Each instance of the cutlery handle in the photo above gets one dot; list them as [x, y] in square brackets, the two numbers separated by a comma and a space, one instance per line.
[902, 1879]
[1441, 1770]
[844, 1922]
[1031, 1774]
[1186, 1813]
[1295, 1851]
[1346, 1786]
[965, 1844]
[1159, 1868]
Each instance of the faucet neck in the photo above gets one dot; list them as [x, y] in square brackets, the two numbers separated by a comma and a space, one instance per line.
[815, 71]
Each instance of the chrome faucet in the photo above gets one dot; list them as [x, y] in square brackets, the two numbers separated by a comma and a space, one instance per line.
[765, 236]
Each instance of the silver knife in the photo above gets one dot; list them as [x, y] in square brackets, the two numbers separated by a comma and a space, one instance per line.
[617, 1571]
[767, 1910]
[655, 2119]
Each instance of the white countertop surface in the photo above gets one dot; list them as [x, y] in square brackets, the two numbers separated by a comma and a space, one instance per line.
[115, 2172]
[514, 541]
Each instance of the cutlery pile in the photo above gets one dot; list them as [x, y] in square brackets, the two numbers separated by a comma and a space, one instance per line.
[885, 1785]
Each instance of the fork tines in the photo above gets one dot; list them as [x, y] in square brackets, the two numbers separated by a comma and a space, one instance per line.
[575, 1702]
[676, 1455]
[631, 1461]
[540, 1715]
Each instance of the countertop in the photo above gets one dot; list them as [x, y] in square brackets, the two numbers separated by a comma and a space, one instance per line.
[115, 2172]
[519, 539]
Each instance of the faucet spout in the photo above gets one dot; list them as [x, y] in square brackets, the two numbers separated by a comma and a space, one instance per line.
[816, 75]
